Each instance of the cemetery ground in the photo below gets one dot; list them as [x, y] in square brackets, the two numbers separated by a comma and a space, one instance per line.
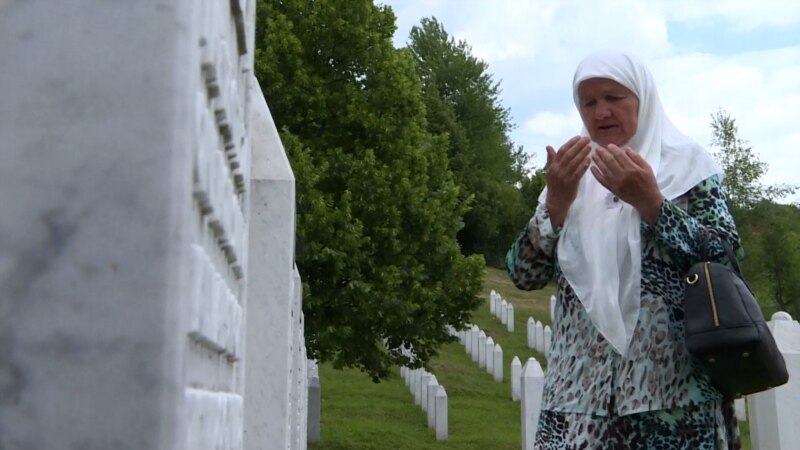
[359, 414]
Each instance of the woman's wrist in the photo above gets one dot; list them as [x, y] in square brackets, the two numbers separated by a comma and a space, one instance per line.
[557, 215]
[652, 209]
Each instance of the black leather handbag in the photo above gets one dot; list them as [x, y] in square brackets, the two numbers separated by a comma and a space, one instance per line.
[726, 330]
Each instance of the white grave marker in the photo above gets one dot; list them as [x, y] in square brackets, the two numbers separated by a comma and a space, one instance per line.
[531, 387]
[489, 355]
[482, 350]
[539, 337]
[474, 348]
[740, 408]
[516, 372]
[441, 414]
[531, 333]
[415, 385]
[423, 390]
[548, 333]
[773, 413]
[498, 363]
[433, 387]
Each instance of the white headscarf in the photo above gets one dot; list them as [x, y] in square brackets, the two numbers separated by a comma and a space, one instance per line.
[600, 249]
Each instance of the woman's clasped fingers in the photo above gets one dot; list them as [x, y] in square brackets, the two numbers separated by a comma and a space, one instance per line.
[573, 142]
[612, 161]
[573, 157]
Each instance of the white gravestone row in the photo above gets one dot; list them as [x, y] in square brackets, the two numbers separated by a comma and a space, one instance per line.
[502, 309]
[430, 396]
[483, 350]
[277, 396]
[773, 413]
[539, 336]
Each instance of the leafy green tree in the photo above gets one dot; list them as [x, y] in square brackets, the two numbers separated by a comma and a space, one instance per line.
[531, 186]
[463, 105]
[772, 240]
[743, 170]
[378, 209]
[770, 232]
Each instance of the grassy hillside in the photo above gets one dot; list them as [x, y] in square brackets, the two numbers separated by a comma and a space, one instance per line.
[359, 414]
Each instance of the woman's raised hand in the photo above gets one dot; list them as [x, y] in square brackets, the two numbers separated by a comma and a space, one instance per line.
[628, 176]
[564, 171]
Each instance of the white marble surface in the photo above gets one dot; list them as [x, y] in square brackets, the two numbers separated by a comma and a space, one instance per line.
[475, 343]
[516, 372]
[413, 384]
[489, 355]
[531, 388]
[548, 333]
[531, 333]
[113, 290]
[422, 389]
[773, 413]
[497, 370]
[539, 329]
[441, 414]
[510, 318]
[482, 350]
[740, 409]
[430, 408]
[271, 287]
[134, 245]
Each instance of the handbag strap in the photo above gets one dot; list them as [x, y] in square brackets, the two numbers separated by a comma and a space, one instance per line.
[731, 256]
[703, 242]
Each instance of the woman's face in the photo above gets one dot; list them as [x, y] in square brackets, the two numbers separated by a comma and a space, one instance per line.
[609, 110]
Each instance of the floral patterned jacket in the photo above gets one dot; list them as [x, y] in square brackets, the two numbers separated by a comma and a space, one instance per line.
[584, 374]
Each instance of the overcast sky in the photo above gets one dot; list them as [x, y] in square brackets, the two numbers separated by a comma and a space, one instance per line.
[739, 55]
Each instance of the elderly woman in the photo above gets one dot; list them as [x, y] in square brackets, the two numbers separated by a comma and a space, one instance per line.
[617, 226]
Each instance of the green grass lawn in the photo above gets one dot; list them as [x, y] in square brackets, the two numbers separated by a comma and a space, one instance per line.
[359, 414]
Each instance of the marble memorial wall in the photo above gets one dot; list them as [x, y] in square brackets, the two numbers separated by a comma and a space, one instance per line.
[220, 174]
[138, 271]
